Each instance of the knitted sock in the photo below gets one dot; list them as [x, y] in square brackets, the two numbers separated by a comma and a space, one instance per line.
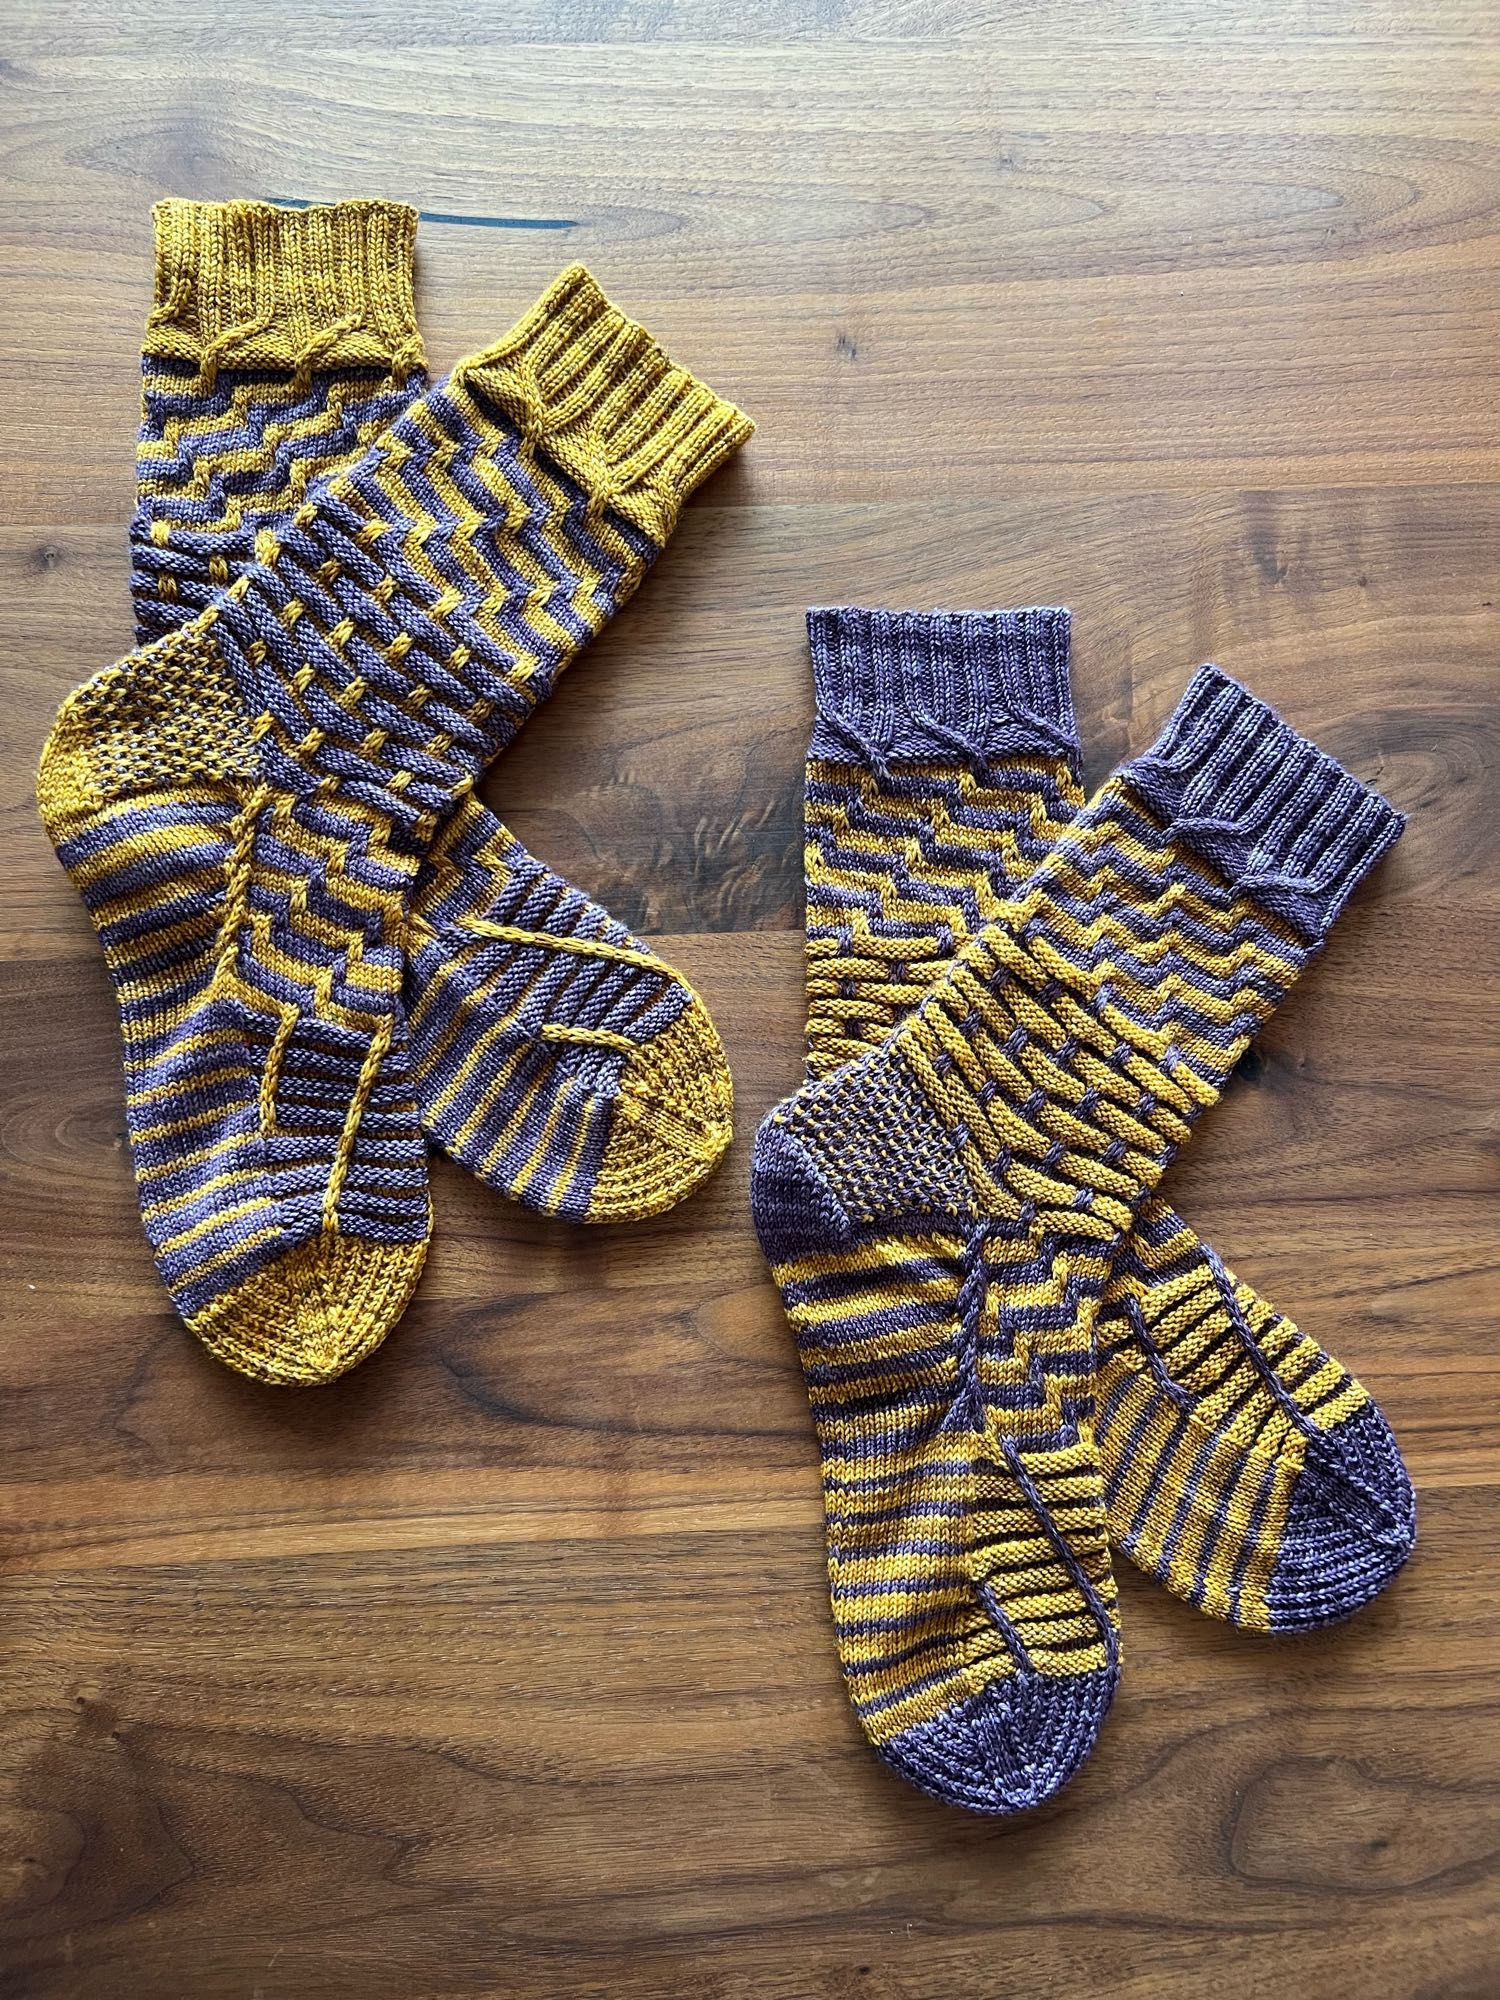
[247, 802]
[552, 1053]
[1245, 1469]
[942, 1216]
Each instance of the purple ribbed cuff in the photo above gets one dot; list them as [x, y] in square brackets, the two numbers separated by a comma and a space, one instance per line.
[924, 685]
[1279, 818]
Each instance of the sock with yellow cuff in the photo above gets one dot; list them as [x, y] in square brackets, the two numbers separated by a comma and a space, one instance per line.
[553, 1053]
[247, 805]
[281, 342]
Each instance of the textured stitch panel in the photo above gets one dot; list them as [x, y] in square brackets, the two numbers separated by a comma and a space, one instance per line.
[169, 716]
[213, 466]
[874, 1137]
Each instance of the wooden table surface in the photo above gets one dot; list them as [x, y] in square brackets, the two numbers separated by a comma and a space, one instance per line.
[504, 1668]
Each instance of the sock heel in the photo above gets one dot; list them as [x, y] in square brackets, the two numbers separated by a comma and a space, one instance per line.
[791, 1204]
[863, 1148]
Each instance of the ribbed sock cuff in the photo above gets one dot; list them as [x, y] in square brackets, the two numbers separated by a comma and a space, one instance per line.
[940, 685]
[1279, 818]
[243, 284]
[591, 386]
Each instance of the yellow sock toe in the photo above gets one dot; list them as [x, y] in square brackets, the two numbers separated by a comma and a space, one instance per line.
[674, 1119]
[313, 1314]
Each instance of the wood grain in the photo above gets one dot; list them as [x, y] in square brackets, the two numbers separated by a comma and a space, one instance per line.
[504, 1668]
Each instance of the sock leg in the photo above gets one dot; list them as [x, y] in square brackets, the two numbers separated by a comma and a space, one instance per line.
[942, 1216]
[281, 342]
[943, 767]
[587, 1084]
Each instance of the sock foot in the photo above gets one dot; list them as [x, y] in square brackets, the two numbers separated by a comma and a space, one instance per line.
[1013, 1745]
[1351, 1525]
[555, 1055]
[673, 1121]
[966, 1544]
[1247, 1471]
[313, 1314]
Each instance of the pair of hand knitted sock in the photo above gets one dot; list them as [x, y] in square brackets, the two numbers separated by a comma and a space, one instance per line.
[1017, 1355]
[352, 590]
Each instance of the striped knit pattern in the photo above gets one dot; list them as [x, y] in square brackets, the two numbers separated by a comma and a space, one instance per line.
[552, 1052]
[944, 766]
[544, 1068]
[246, 803]
[214, 466]
[942, 1217]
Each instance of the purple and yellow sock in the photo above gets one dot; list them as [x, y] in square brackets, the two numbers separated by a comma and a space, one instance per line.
[943, 1215]
[247, 804]
[552, 1053]
[1245, 1468]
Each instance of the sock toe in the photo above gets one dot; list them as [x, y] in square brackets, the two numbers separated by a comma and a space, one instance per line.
[313, 1314]
[1013, 1745]
[672, 1124]
[1351, 1525]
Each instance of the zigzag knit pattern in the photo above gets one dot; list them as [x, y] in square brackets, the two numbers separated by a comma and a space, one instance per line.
[280, 343]
[544, 1068]
[214, 467]
[944, 766]
[942, 1217]
[245, 805]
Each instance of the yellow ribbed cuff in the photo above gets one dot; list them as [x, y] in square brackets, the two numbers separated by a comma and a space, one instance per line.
[594, 389]
[241, 284]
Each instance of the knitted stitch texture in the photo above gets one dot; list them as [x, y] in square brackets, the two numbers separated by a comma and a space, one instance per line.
[281, 342]
[245, 805]
[552, 1053]
[1245, 1469]
[942, 1215]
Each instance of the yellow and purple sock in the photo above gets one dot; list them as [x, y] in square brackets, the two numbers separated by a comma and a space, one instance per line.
[943, 1214]
[1245, 1468]
[247, 804]
[552, 1053]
